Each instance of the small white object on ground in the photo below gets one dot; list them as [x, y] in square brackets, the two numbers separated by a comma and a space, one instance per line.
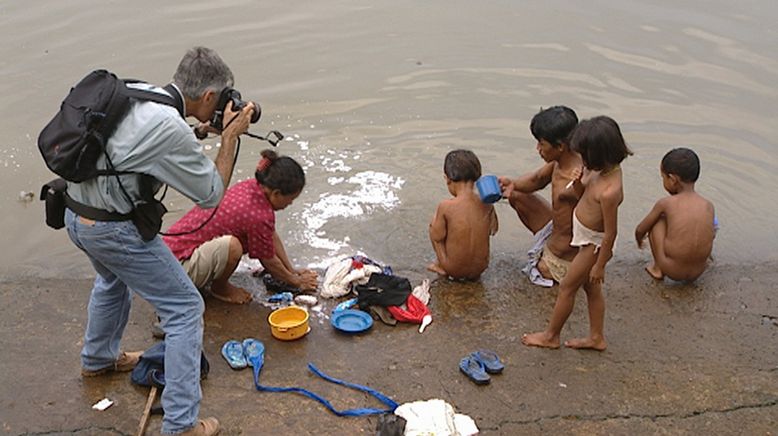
[102, 404]
[425, 322]
[26, 196]
[306, 300]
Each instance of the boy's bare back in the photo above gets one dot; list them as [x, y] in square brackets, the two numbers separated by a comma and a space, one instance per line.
[680, 228]
[468, 225]
[690, 230]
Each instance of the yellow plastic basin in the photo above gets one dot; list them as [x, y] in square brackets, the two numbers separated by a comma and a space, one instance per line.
[288, 323]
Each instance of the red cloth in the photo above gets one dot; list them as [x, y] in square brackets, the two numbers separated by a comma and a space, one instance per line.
[244, 212]
[415, 313]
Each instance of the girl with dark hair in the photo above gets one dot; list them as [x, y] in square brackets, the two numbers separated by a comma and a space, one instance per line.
[243, 224]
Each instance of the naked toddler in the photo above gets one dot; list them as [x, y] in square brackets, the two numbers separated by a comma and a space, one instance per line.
[680, 227]
[461, 226]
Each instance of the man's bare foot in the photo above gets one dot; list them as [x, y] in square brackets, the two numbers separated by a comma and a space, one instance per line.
[655, 272]
[587, 344]
[540, 339]
[434, 267]
[231, 294]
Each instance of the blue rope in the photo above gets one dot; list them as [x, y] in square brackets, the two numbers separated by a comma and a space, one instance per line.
[350, 412]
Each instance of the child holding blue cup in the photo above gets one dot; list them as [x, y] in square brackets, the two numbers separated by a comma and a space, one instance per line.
[462, 225]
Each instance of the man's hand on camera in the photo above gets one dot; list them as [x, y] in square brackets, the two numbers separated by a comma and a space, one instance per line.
[236, 123]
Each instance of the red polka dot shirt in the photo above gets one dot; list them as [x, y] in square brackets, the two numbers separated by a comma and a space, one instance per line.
[244, 213]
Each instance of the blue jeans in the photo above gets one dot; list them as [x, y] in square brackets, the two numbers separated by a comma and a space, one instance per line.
[124, 262]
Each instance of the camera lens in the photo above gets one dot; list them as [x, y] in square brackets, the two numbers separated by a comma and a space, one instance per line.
[232, 95]
[256, 113]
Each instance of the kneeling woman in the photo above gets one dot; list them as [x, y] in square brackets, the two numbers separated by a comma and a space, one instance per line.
[244, 222]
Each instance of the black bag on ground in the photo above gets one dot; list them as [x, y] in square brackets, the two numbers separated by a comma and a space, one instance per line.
[383, 290]
[75, 138]
[150, 370]
[53, 193]
[390, 425]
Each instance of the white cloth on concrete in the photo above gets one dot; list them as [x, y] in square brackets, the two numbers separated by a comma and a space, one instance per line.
[339, 277]
[434, 418]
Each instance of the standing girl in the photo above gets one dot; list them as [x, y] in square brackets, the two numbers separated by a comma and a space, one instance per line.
[599, 185]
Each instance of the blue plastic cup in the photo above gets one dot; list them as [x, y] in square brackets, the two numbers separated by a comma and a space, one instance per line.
[489, 189]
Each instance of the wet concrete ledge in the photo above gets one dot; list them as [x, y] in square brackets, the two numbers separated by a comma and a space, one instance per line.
[689, 359]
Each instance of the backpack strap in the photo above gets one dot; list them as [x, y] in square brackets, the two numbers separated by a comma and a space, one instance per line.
[177, 97]
[175, 100]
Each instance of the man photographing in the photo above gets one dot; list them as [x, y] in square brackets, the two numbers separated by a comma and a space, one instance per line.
[155, 140]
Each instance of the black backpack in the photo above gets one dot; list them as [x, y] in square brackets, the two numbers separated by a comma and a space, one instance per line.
[75, 138]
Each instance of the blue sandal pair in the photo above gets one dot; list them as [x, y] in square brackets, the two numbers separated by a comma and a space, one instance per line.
[239, 355]
[479, 364]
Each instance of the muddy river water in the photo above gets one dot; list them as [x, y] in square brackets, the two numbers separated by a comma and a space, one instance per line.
[372, 95]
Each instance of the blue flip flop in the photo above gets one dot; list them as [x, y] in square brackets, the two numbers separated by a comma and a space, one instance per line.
[474, 369]
[490, 360]
[254, 352]
[232, 351]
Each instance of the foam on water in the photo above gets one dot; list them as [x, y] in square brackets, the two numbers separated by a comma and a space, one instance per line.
[361, 194]
[347, 194]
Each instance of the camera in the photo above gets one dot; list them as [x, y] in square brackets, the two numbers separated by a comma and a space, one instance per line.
[232, 95]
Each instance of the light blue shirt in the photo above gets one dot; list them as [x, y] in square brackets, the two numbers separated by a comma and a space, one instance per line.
[152, 139]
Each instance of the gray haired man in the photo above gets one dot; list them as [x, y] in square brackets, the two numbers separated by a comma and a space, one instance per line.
[154, 139]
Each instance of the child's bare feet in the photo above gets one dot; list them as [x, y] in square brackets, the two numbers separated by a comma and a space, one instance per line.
[655, 272]
[540, 339]
[587, 344]
[231, 294]
[434, 267]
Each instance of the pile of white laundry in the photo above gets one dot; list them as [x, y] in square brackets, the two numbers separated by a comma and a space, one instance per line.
[434, 418]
